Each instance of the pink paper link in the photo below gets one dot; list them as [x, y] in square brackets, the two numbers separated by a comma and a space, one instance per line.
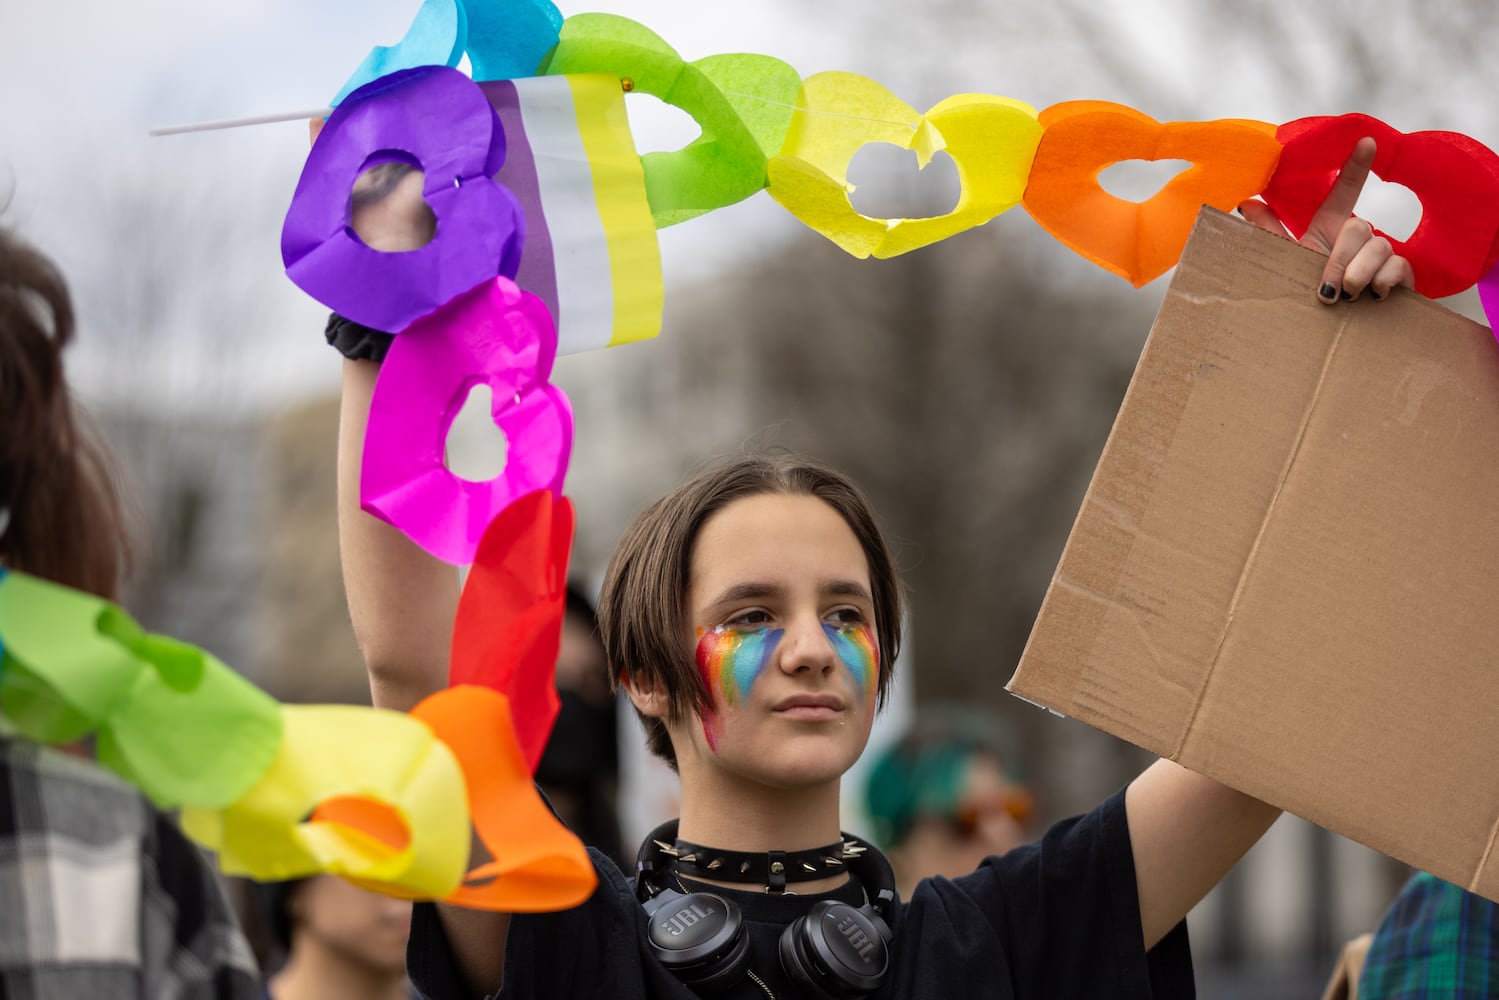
[1488, 294]
[494, 334]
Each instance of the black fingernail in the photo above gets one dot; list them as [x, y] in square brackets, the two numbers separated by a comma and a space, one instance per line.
[1377, 297]
[1346, 295]
[1327, 292]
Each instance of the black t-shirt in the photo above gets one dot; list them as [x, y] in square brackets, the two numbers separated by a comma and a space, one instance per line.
[1057, 919]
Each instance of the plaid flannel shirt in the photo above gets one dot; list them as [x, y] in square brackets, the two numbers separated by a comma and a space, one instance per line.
[101, 895]
[1436, 941]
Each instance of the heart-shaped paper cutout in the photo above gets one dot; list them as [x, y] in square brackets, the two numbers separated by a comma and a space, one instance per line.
[509, 624]
[1232, 159]
[495, 334]
[440, 120]
[726, 163]
[342, 752]
[539, 864]
[1455, 177]
[990, 139]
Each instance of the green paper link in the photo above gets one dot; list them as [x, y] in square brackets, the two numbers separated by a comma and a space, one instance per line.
[743, 103]
[171, 718]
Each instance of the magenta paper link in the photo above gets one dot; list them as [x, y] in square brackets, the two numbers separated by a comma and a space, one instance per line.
[1488, 294]
[495, 335]
[439, 120]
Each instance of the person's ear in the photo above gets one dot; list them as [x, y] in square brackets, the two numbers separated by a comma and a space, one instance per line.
[648, 697]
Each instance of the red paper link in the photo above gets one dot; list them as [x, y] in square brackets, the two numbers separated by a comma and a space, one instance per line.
[1231, 160]
[509, 623]
[1456, 178]
[538, 864]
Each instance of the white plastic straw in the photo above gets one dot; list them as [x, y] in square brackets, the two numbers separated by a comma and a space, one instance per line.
[285, 116]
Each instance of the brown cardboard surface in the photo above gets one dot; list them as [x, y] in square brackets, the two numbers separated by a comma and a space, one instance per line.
[1284, 573]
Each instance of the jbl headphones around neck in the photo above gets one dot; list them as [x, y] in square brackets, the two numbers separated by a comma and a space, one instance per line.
[839, 951]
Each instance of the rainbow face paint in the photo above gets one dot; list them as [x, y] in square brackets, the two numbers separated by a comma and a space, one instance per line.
[856, 647]
[730, 659]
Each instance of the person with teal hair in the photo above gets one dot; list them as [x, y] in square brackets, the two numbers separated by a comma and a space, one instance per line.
[946, 796]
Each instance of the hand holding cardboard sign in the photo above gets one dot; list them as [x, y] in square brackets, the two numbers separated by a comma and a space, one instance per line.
[1358, 257]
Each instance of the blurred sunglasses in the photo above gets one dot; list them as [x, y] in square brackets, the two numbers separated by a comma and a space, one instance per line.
[1017, 803]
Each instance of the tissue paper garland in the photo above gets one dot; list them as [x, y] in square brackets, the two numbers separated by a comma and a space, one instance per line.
[1455, 177]
[495, 335]
[346, 751]
[1233, 159]
[388, 799]
[438, 36]
[591, 254]
[539, 865]
[438, 120]
[726, 163]
[509, 624]
[510, 39]
[990, 139]
[288, 791]
[170, 718]
[500, 40]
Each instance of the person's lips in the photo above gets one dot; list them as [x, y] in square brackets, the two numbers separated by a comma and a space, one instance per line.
[810, 707]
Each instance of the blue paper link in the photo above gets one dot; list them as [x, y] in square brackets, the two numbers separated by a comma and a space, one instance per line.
[438, 37]
[509, 38]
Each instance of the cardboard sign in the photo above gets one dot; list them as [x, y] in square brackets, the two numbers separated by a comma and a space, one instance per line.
[1285, 571]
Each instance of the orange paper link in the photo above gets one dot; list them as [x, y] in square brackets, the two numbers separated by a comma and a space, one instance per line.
[374, 819]
[539, 865]
[1232, 159]
[509, 623]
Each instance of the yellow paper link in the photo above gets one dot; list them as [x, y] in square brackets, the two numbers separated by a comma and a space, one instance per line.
[992, 141]
[170, 718]
[343, 751]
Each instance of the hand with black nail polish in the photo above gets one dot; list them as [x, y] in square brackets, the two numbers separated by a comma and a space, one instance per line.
[1357, 259]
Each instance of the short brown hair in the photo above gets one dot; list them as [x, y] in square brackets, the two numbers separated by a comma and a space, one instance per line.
[65, 521]
[641, 612]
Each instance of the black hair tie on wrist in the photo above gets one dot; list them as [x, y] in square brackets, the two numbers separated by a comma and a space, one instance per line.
[356, 341]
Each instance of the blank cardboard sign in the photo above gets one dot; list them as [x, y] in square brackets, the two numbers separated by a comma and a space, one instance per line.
[1284, 573]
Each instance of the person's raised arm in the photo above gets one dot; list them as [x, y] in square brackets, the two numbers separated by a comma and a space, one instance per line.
[1188, 830]
[402, 601]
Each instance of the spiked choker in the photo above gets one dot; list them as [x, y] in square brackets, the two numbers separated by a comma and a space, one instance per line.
[772, 869]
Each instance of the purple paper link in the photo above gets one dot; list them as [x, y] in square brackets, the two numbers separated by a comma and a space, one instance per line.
[1488, 294]
[496, 335]
[538, 266]
[439, 120]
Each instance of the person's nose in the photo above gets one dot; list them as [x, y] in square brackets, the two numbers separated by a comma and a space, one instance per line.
[807, 648]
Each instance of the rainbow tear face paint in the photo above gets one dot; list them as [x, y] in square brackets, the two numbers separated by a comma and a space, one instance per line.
[856, 648]
[730, 659]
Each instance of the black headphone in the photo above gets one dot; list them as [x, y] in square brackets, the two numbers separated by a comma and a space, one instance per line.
[839, 951]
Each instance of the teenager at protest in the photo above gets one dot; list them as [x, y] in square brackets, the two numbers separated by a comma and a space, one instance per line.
[103, 896]
[753, 617]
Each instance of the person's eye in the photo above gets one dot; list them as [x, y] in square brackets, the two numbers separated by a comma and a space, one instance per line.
[751, 619]
[846, 617]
